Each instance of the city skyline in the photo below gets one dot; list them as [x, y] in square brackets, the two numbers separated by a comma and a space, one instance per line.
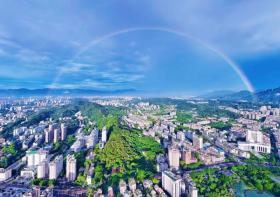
[139, 98]
[194, 48]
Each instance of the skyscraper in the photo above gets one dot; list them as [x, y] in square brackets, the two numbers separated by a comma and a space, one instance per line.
[71, 168]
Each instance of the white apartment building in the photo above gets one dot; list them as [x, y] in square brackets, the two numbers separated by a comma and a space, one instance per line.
[56, 135]
[171, 183]
[92, 139]
[48, 135]
[255, 142]
[174, 157]
[63, 129]
[34, 157]
[5, 174]
[43, 169]
[254, 147]
[55, 167]
[71, 168]
[104, 135]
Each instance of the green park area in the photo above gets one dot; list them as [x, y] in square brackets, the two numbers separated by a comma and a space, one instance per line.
[220, 125]
[213, 183]
[221, 182]
[183, 116]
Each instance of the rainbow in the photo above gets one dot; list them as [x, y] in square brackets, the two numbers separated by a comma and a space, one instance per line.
[221, 54]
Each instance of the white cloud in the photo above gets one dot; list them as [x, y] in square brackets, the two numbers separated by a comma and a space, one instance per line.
[27, 55]
[75, 67]
[234, 26]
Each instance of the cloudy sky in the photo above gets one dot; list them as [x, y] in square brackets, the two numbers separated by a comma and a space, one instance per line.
[180, 47]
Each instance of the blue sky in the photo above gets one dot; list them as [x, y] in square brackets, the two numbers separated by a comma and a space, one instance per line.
[157, 47]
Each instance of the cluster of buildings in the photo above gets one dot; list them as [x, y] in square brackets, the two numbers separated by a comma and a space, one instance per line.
[113, 101]
[189, 146]
[181, 147]
[249, 131]
[55, 133]
[141, 115]
[245, 135]
[195, 142]
[256, 142]
[12, 109]
[40, 165]
[85, 141]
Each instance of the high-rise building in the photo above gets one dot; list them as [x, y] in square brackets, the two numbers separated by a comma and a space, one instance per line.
[55, 167]
[56, 135]
[92, 139]
[174, 157]
[51, 127]
[48, 136]
[34, 157]
[255, 142]
[43, 170]
[171, 183]
[50, 133]
[188, 156]
[63, 129]
[104, 134]
[71, 167]
[197, 141]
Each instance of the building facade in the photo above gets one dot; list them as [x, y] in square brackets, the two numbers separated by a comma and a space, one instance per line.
[71, 168]
[171, 183]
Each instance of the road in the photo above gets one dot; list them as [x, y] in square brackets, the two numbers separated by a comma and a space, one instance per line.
[219, 165]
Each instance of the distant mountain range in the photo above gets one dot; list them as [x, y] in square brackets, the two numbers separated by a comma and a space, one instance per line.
[265, 96]
[62, 92]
